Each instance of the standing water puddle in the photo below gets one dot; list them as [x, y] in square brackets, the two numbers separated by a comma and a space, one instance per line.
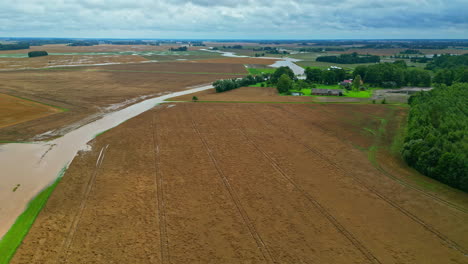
[35, 166]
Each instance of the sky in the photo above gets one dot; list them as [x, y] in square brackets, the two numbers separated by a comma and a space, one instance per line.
[236, 19]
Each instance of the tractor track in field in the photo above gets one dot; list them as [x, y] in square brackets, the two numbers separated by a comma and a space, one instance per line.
[62, 255]
[384, 172]
[428, 227]
[161, 207]
[234, 197]
[365, 251]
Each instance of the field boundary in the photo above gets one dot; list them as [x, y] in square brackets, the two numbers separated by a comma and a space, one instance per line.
[62, 109]
[158, 182]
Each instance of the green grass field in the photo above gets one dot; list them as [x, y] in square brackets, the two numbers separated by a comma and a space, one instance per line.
[355, 94]
[255, 71]
[20, 228]
[326, 65]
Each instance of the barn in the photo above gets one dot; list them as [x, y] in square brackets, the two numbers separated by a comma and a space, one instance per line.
[333, 92]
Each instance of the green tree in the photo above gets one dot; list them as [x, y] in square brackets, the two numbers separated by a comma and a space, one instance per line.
[329, 77]
[279, 72]
[313, 75]
[435, 143]
[194, 99]
[284, 84]
[357, 82]
[463, 76]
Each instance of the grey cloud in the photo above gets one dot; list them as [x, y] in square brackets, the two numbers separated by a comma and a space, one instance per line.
[229, 18]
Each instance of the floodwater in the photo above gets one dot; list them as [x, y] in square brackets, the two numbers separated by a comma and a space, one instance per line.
[37, 165]
[290, 63]
[281, 61]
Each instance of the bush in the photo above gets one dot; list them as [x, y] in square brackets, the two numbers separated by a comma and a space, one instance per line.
[37, 53]
[230, 84]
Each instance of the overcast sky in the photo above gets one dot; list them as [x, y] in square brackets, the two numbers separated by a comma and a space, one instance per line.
[235, 19]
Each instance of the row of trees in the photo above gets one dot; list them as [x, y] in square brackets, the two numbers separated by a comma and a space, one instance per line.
[448, 62]
[349, 59]
[449, 69]
[391, 75]
[184, 48]
[83, 43]
[436, 143]
[230, 84]
[233, 47]
[330, 76]
[14, 46]
[37, 53]
[411, 51]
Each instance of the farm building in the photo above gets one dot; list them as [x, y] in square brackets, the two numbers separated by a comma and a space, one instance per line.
[335, 92]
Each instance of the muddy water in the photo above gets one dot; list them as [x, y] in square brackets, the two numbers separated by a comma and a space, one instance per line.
[290, 63]
[281, 61]
[35, 166]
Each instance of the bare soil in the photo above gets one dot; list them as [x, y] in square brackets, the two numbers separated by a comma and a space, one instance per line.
[89, 92]
[65, 60]
[242, 183]
[239, 61]
[62, 48]
[14, 110]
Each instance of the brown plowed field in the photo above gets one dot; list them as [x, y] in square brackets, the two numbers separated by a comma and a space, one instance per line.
[243, 183]
[14, 110]
[64, 60]
[87, 91]
[240, 61]
[62, 48]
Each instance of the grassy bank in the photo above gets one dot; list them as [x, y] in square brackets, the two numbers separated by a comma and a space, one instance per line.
[12, 239]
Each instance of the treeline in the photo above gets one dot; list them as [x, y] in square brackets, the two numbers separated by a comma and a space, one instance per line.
[83, 43]
[197, 44]
[388, 44]
[321, 49]
[14, 46]
[349, 59]
[330, 76]
[448, 62]
[184, 48]
[230, 84]
[436, 143]
[392, 75]
[32, 54]
[449, 69]
[270, 50]
[233, 47]
[410, 51]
